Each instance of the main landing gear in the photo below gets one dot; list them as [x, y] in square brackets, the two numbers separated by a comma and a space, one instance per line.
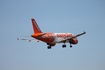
[64, 45]
[48, 47]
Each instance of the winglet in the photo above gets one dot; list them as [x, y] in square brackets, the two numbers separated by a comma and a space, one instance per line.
[84, 32]
[35, 26]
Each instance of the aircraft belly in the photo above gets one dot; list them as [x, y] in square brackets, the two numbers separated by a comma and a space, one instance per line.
[60, 40]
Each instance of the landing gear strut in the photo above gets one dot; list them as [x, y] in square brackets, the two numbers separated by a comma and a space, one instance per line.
[70, 45]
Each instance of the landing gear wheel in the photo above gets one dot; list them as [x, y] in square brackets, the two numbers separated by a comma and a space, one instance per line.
[70, 46]
[64, 46]
[49, 47]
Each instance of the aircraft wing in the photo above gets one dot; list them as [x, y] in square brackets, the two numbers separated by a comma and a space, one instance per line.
[74, 36]
[79, 34]
[29, 40]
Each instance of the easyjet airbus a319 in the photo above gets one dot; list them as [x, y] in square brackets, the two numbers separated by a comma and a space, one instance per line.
[51, 39]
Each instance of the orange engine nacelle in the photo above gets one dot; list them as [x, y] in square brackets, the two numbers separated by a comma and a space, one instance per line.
[52, 44]
[73, 41]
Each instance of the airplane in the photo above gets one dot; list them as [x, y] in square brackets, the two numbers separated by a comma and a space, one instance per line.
[51, 39]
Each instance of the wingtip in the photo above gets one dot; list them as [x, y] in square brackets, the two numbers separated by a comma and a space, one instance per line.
[84, 32]
[17, 38]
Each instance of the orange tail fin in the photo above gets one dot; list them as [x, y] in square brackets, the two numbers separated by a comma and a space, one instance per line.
[35, 26]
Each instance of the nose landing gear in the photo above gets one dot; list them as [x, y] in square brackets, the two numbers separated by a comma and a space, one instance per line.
[70, 45]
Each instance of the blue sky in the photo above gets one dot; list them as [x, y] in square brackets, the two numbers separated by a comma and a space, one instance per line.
[74, 16]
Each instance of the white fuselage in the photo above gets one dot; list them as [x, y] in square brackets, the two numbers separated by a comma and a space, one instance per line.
[62, 36]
